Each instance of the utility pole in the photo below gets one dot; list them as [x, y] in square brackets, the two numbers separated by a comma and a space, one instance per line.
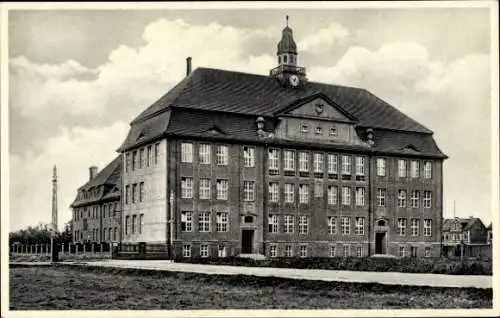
[53, 227]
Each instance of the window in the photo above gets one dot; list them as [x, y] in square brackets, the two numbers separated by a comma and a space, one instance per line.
[332, 164]
[273, 224]
[134, 160]
[414, 167]
[318, 163]
[248, 219]
[204, 221]
[402, 168]
[381, 197]
[134, 222]
[273, 159]
[127, 162]
[427, 170]
[222, 189]
[346, 196]
[221, 155]
[402, 251]
[346, 165]
[221, 251]
[289, 160]
[427, 199]
[148, 156]
[360, 226]
[134, 191]
[360, 166]
[115, 234]
[427, 252]
[273, 191]
[303, 224]
[205, 185]
[304, 129]
[304, 193]
[427, 227]
[347, 250]
[332, 251]
[402, 198]
[319, 130]
[360, 196]
[186, 250]
[333, 132]
[303, 250]
[115, 209]
[332, 225]
[141, 224]
[141, 192]
[401, 227]
[288, 224]
[157, 151]
[303, 162]
[187, 188]
[381, 167]
[288, 251]
[141, 157]
[273, 251]
[104, 208]
[415, 199]
[248, 156]
[186, 221]
[289, 192]
[318, 188]
[204, 250]
[346, 225]
[413, 251]
[205, 157]
[187, 152]
[248, 190]
[332, 195]
[359, 251]
[415, 227]
[222, 221]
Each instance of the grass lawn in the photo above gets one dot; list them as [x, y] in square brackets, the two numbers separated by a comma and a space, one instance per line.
[65, 287]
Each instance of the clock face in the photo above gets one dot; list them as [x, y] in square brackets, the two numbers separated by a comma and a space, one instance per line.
[294, 80]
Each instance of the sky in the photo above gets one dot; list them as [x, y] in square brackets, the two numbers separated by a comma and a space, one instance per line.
[77, 78]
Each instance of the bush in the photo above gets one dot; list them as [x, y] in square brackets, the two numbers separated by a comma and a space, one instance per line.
[405, 265]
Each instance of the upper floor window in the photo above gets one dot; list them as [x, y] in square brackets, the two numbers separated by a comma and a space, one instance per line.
[222, 189]
[402, 168]
[303, 224]
[304, 129]
[187, 188]
[381, 167]
[427, 227]
[273, 159]
[318, 162]
[221, 155]
[205, 151]
[415, 227]
[141, 158]
[427, 169]
[360, 166]
[204, 221]
[288, 226]
[289, 160]
[248, 190]
[273, 191]
[333, 132]
[248, 156]
[186, 221]
[134, 160]
[415, 198]
[273, 224]
[360, 226]
[134, 192]
[304, 193]
[427, 199]
[360, 196]
[221, 222]
[332, 164]
[402, 227]
[319, 131]
[346, 196]
[345, 225]
[415, 169]
[149, 155]
[187, 152]
[346, 165]
[289, 192]
[205, 186]
[141, 192]
[157, 152]
[303, 161]
[127, 162]
[332, 195]
[402, 198]
[381, 197]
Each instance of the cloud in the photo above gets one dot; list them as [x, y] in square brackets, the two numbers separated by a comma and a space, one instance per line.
[73, 150]
[324, 39]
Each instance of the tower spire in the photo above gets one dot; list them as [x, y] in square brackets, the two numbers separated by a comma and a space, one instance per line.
[54, 199]
[287, 20]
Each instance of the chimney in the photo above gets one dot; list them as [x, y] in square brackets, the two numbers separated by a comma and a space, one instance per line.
[188, 66]
[92, 172]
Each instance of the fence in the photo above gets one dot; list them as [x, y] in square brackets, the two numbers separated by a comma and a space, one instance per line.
[66, 251]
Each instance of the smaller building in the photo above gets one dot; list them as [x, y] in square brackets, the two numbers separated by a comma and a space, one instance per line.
[464, 230]
[97, 208]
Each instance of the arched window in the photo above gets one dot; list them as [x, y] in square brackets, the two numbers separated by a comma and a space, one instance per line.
[285, 59]
[381, 223]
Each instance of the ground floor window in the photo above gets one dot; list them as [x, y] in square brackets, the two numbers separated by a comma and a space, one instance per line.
[414, 251]
[359, 251]
[288, 251]
[273, 251]
[402, 251]
[303, 251]
[186, 250]
[332, 251]
[204, 250]
[427, 251]
[347, 251]
[221, 251]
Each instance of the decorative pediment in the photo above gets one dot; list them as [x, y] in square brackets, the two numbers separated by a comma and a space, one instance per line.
[317, 106]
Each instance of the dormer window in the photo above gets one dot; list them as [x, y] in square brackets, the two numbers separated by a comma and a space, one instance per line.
[318, 130]
[333, 132]
[304, 129]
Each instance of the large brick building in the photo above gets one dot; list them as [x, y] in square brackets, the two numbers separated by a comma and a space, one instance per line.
[96, 208]
[229, 163]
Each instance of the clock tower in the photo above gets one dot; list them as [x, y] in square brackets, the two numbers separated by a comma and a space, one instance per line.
[287, 72]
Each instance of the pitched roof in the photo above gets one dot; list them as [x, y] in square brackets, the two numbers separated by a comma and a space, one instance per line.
[236, 92]
[466, 223]
[109, 176]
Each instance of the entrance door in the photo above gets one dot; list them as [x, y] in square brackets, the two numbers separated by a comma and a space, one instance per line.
[246, 241]
[379, 243]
